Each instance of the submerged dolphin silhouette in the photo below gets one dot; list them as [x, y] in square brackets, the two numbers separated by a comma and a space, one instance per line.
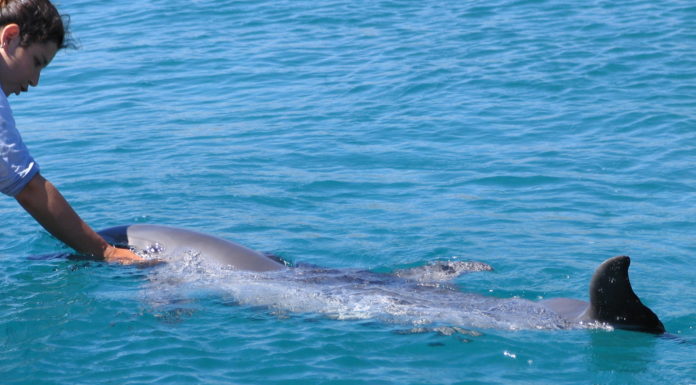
[612, 300]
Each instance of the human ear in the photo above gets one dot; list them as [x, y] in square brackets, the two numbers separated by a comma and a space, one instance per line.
[9, 36]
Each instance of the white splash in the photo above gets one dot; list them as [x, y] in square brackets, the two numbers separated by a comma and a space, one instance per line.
[344, 295]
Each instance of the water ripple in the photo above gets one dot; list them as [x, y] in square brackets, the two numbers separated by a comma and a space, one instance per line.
[538, 136]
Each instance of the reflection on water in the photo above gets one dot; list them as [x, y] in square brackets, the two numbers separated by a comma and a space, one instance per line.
[621, 351]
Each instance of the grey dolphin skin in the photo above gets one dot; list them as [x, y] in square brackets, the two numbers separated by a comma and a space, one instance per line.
[157, 238]
[612, 300]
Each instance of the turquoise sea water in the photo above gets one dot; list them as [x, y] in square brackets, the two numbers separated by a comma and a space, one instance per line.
[539, 137]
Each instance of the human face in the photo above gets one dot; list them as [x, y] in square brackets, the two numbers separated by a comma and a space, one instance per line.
[22, 65]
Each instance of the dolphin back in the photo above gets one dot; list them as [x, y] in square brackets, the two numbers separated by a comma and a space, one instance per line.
[169, 239]
[613, 301]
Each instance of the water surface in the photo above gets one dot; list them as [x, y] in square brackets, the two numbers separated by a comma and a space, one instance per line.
[539, 137]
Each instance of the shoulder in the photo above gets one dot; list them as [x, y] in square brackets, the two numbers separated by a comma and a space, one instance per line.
[5, 109]
[8, 128]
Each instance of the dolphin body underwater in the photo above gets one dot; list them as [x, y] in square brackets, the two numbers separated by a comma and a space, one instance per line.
[415, 295]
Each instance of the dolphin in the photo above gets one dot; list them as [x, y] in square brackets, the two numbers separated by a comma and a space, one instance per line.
[157, 238]
[612, 300]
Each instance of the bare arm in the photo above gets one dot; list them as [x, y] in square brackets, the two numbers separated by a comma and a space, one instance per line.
[48, 206]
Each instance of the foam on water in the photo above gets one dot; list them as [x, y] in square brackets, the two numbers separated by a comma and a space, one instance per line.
[347, 294]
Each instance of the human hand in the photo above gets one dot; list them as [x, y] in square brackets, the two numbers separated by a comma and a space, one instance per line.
[126, 257]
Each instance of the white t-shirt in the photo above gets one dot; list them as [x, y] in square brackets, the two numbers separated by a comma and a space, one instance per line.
[17, 167]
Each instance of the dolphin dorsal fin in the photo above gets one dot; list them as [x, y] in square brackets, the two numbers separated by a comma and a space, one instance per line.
[613, 301]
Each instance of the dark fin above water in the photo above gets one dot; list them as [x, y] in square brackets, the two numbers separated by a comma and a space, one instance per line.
[440, 271]
[613, 301]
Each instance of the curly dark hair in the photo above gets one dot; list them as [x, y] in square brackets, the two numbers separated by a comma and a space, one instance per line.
[38, 20]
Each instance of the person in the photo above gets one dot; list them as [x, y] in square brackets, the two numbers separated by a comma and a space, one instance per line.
[31, 33]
